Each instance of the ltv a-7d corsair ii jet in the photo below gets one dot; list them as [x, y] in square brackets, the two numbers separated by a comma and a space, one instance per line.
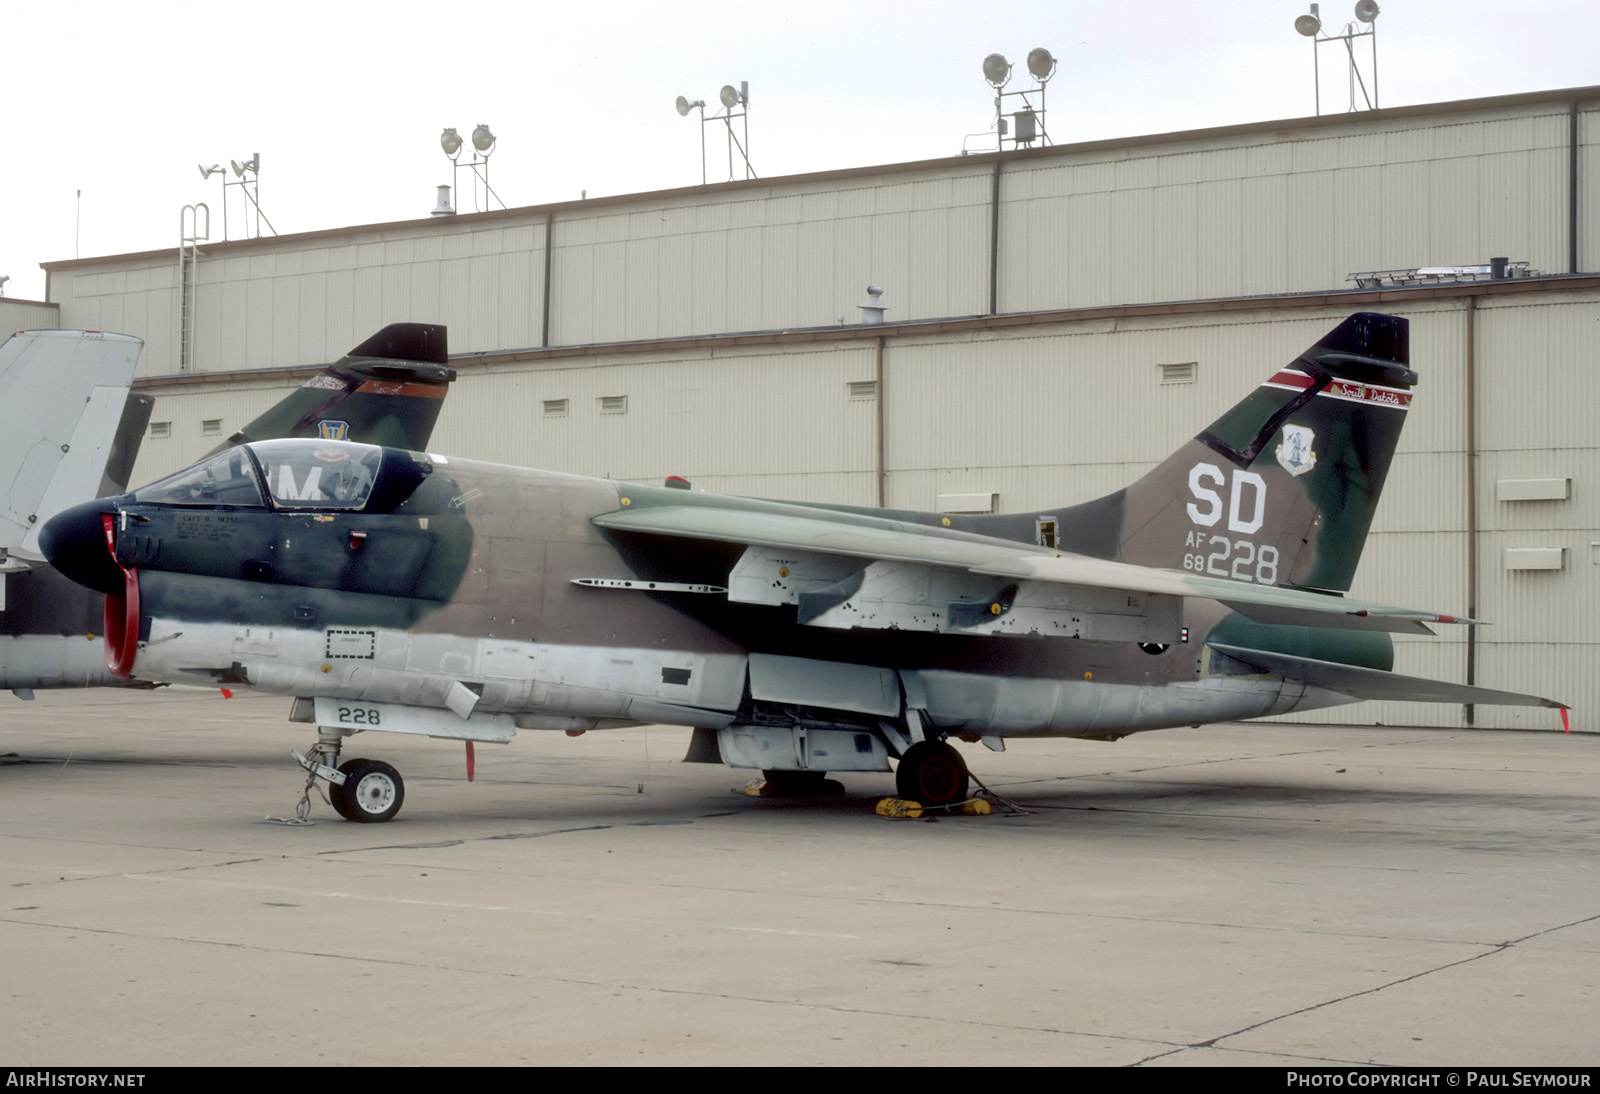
[394, 590]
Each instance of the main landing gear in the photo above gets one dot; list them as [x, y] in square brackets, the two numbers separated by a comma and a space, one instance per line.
[933, 773]
[365, 791]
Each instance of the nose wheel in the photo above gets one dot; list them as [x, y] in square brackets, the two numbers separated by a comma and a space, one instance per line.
[372, 792]
[364, 791]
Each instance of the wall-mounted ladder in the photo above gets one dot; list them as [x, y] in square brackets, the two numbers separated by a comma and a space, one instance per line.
[192, 231]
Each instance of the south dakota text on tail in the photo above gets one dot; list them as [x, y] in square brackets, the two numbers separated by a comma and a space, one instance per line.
[392, 590]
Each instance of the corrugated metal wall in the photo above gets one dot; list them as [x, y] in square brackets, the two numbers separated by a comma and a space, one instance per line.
[779, 422]
[1537, 399]
[18, 315]
[1249, 211]
[1284, 212]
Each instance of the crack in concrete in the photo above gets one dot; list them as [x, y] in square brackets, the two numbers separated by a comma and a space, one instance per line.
[1492, 950]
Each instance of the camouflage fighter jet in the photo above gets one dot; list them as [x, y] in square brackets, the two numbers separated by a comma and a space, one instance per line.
[72, 430]
[393, 590]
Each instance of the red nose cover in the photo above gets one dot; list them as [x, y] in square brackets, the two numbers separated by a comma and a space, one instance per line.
[122, 614]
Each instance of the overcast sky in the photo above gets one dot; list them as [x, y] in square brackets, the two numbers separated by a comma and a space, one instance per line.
[345, 101]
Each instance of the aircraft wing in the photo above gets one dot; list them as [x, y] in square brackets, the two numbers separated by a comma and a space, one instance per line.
[882, 543]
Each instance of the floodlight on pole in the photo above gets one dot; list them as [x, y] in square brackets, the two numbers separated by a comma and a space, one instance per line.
[997, 70]
[1310, 26]
[483, 144]
[248, 176]
[683, 106]
[735, 104]
[1029, 116]
[1042, 63]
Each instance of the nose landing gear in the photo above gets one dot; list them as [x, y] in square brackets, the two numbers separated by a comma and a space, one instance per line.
[372, 791]
[364, 791]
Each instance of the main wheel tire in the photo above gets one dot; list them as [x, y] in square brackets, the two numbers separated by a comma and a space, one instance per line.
[372, 792]
[933, 773]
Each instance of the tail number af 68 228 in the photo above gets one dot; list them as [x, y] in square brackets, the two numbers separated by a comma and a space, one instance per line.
[1239, 559]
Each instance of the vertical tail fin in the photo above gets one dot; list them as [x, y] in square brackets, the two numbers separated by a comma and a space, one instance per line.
[388, 391]
[1282, 488]
[125, 443]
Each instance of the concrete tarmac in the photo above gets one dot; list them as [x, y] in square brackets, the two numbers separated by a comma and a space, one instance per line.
[1266, 894]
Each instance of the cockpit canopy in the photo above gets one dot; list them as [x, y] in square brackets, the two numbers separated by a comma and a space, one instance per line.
[295, 474]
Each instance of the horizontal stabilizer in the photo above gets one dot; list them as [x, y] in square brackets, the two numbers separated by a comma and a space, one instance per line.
[1395, 623]
[1364, 683]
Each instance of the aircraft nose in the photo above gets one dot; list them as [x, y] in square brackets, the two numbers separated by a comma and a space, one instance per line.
[74, 541]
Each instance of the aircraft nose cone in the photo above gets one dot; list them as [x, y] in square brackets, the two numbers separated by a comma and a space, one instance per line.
[74, 541]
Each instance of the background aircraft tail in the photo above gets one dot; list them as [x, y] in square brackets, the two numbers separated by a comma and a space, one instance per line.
[388, 391]
[1282, 488]
[64, 394]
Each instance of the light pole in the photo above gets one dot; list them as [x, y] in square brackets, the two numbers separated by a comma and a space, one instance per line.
[1029, 119]
[735, 104]
[483, 144]
[1310, 26]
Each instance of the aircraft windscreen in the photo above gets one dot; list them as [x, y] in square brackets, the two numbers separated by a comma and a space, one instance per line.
[313, 474]
[225, 479]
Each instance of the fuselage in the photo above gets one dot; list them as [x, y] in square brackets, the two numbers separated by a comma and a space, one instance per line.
[455, 572]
